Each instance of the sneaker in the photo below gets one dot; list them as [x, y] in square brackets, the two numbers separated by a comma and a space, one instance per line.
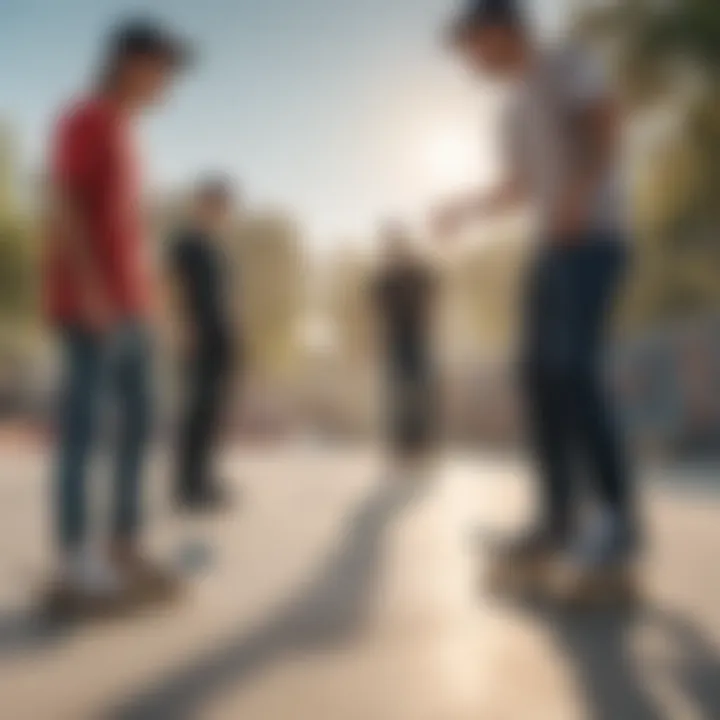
[610, 541]
[523, 565]
[598, 587]
[86, 585]
[146, 580]
[600, 568]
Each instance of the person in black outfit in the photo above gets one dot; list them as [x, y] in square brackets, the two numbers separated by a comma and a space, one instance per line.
[199, 269]
[403, 294]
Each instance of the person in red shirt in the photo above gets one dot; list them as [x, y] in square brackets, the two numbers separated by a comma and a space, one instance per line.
[97, 295]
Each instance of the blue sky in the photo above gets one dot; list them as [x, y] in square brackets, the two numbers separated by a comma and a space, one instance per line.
[343, 111]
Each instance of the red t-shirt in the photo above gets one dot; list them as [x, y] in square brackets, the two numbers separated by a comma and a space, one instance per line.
[92, 161]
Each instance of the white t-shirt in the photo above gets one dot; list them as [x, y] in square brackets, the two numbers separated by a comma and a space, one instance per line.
[544, 141]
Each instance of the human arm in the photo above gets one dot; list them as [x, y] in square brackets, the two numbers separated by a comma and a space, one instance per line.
[449, 218]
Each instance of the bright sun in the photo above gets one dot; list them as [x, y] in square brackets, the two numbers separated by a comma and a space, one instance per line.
[450, 157]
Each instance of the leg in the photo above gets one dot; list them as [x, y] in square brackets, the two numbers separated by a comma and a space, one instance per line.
[209, 417]
[602, 572]
[596, 278]
[602, 443]
[85, 585]
[524, 565]
[146, 581]
[131, 370]
[186, 472]
[546, 392]
[191, 435]
[547, 404]
[78, 405]
[200, 428]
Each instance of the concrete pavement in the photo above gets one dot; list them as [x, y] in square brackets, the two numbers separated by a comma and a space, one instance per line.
[338, 593]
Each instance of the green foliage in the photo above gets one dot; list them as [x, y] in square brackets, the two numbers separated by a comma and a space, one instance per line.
[670, 51]
[687, 28]
[17, 272]
[652, 42]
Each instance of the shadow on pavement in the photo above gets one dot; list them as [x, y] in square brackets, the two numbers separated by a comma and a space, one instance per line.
[599, 646]
[26, 631]
[697, 667]
[600, 649]
[329, 613]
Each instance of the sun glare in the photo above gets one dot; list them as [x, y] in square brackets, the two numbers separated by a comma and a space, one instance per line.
[450, 158]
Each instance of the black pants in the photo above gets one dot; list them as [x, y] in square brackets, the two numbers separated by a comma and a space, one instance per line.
[411, 398]
[571, 290]
[207, 383]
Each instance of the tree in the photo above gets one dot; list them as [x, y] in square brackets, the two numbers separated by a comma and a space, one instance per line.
[18, 275]
[17, 272]
[667, 54]
[7, 171]
[271, 270]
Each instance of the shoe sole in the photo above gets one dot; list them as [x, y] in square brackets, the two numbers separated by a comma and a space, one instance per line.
[67, 607]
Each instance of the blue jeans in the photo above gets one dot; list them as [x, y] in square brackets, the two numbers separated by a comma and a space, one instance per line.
[120, 363]
[570, 296]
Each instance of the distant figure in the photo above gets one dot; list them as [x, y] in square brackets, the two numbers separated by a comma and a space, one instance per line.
[404, 293]
[98, 294]
[201, 277]
[562, 137]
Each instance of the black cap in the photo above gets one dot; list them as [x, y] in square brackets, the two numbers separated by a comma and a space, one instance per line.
[141, 37]
[481, 13]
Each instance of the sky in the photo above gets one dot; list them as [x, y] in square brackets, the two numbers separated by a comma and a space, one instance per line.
[344, 112]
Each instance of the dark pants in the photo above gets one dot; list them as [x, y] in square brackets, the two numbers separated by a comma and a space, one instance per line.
[120, 363]
[411, 400]
[207, 383]
[571, 290]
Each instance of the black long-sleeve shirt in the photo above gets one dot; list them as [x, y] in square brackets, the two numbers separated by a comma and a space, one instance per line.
[203, 274]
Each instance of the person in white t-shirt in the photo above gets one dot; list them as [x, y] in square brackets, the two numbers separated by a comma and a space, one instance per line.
[562, 134]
